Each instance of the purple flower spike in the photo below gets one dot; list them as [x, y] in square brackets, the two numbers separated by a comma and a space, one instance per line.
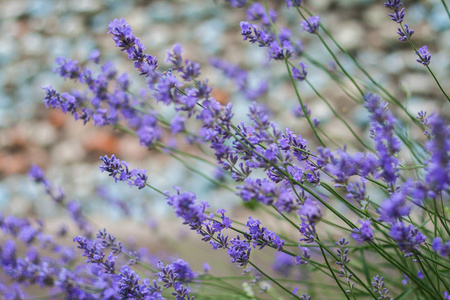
[312, 25]
[300, 75]
[364, 234]
[404, 37]
[393, 4]
[237, 3]
[442, 248]
[239, 251]
[424, 56]
[290, 3]
[118, 169]
[398, 16]
[408, 238]
[438, 167]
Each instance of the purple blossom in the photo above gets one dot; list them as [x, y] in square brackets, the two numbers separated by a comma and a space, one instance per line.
[312, 25]
[94, 56]
[394, 207]
[419, 274]
[378, 285]
[8, 253]
[27, 234]
[190, 71]
[382, 130]
[237, 3]
[438, 167]
[308, 230]
[364, 234]
[251, 33]
[278, 52]
[345, 165]
[67, 68]
[393, 4]
[148, 131]
[405, 35]
[300, 75]
[129, 286]
[119, 170]
[175, 57]
[36, 174]
[398, 16]
[299, 113]
[263, 191]
[356, 191]
[177, 124]
[408, 238]
[424, 56]
[283, 263]
[239, 251]
[311, 210]
[262, 236]
[52, 98]
[183, 270]
[442, 248]
[188, 208]
[93, 251]
[305, 256]
[290, 3]
[256, 12]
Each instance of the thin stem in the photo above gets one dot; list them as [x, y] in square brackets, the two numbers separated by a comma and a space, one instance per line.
[302, 105]
[446, 8]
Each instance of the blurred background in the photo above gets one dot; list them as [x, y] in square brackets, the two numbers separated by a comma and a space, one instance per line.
[34, 33]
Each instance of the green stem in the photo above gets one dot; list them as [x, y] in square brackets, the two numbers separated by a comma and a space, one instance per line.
[338, 116]
[273, 280]
[446, 8]
[332, 273]
[301, 104]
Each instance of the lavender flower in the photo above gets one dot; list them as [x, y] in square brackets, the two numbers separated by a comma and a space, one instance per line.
[257, 12]
[393, 4]
[295, 3]
[182, 269]
[305, 256]
[188, 208]
[119, 170]
[175, 57]
[67, 68]
[283, 263]
[378, 287]
[398, 16]
[311, 210]
[177, 124]
[405, 35]
[237, 3]
[300, 75]
[424, 56]
[408, 238]
[239, 251]
[364, 234]
[442, 248]
[387, 145]
[394, 207]
[438, 167]
[262, 236]
[312, 25]
[251, 33]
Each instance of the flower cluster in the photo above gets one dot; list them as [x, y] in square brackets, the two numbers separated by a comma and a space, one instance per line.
[119, 170]
[397, 190]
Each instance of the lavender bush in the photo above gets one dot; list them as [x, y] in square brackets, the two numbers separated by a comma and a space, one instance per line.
[361, 220]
